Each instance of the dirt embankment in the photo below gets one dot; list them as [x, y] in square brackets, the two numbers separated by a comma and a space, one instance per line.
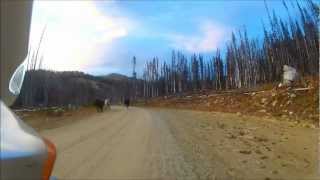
[298, 104]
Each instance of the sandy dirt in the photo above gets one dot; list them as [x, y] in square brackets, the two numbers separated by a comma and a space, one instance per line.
[299, 103]
[154, 143]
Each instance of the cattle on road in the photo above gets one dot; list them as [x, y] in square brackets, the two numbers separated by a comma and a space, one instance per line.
[101, 104]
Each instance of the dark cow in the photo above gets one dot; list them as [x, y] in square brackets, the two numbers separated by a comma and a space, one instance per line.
[99, 105]
[127, 102]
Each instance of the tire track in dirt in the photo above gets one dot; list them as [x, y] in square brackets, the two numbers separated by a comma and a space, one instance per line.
[100, 149]
[91, 134]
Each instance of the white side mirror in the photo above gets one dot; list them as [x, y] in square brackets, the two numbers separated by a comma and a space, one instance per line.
[17, 78]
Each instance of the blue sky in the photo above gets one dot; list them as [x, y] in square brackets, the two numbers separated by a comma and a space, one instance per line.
[101, 37]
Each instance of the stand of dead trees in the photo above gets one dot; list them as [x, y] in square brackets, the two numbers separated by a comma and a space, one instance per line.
[34, 62]
[247, 62]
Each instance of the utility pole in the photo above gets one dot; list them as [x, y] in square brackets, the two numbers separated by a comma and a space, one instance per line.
[134, 77]
[134, 62]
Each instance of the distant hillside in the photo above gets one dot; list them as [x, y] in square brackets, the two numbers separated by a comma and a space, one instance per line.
[50, 88]
[116, 76]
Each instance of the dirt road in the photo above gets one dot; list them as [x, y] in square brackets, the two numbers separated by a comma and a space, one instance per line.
[143, 143]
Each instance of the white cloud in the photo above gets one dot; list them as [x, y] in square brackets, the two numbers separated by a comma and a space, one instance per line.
[210, 37]
[77, 33]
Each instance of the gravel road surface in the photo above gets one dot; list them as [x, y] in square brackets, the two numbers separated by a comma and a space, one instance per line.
[150, 143]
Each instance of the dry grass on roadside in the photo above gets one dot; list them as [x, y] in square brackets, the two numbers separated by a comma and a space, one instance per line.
[53, 118]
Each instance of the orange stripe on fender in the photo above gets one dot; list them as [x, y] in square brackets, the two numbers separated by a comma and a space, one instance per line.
[51, 158]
